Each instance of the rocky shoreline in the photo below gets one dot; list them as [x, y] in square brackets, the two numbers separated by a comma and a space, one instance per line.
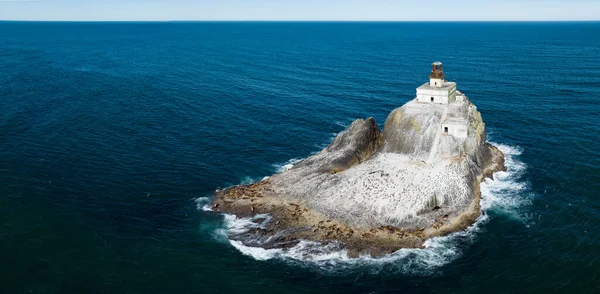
[373, 192]
[292, 222]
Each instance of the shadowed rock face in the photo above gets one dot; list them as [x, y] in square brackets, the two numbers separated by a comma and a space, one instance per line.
[354, 145]
[412, 176]
[411, 135]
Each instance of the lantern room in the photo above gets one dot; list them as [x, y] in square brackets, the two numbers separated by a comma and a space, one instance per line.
[436, 78]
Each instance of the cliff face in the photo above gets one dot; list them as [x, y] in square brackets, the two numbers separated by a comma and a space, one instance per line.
[356, 144]
[417, 179]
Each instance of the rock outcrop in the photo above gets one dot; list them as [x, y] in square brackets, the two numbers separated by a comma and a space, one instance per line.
[377, 192]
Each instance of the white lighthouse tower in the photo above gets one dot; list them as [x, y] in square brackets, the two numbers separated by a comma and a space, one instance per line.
[438, 90]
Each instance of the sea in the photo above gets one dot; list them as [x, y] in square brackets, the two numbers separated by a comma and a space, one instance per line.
[115, 136]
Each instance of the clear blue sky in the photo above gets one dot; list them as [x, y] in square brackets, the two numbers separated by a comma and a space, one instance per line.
[409, 10]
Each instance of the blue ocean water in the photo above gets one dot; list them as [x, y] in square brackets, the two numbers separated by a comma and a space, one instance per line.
[113, 135]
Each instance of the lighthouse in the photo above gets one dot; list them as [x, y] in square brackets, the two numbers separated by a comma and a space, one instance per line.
[442, 95]
[436, 78]
[437, 90]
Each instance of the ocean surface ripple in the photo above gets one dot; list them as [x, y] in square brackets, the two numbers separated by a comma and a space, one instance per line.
[115, 136]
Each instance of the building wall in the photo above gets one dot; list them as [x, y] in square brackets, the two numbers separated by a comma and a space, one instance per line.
[441, 96]
[458, 130]
[436, 82]
[439, 99]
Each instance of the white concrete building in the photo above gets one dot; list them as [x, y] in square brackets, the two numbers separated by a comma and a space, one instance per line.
[437, 90]
[440, 91]
[456, 127]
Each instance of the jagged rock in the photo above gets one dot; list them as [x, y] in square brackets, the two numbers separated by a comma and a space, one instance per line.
[349, 148]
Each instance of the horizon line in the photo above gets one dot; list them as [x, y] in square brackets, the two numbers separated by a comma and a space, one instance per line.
[306, 21]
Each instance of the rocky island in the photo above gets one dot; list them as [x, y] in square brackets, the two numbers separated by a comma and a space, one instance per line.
[375, 192]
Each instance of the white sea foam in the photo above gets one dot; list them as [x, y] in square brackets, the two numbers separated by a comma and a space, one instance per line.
[248, 180]
[257, 253]
[343, 124]
[241, 225]
[279, 168]
[507, 194]
[203, 203]
[331, 259]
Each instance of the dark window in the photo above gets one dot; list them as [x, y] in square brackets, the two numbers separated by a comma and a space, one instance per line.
[431, 99]
[445, 129]
[435, 83]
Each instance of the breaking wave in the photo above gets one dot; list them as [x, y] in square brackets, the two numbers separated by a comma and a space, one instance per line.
[203, 203]
[331, 259]
[507, 195]
[279, 168]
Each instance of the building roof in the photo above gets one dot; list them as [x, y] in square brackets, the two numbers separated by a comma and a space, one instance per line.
[445, 86]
